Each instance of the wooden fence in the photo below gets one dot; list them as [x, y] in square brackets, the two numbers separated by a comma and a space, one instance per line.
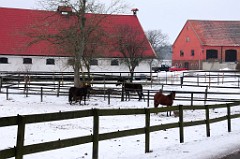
[111, 93]
[20, 149]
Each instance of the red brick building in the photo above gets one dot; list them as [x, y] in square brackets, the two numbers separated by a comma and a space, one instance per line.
[202, 40]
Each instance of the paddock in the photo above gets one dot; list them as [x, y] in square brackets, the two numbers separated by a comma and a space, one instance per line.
[35, 102]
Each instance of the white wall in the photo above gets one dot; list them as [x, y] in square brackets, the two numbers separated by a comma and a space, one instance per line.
[218, 66]
[15, 63]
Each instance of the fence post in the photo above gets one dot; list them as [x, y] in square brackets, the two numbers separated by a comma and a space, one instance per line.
[205, 97]
[41, 94]
[7, 92]
[209, 79]
[207, 120]
[229, 117]
[20, 137]
[222, 77]
[147, 130]
[95, 133]
[104, 86]
[26, 88]
[148, 99]
[1, 84]
[181, 80]
[109, 98]
[198, 79]
[166, 78]
[181, 131]
[191, 98]
[238, 83]
[122, 96]
[58, 90]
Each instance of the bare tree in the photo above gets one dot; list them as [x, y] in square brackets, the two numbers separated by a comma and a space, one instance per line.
[75, 34]
[158, 40]
[132, 45]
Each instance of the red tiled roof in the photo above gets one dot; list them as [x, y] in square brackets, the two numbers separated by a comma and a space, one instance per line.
[217, 33]
[14, 23]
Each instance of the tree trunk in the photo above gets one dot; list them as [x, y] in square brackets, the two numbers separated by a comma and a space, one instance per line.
[131, 74]
[77, 81]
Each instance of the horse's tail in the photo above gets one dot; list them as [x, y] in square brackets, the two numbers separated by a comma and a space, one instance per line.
[142, 95]
[70, 94]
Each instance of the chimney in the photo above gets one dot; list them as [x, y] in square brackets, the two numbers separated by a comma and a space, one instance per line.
[65, 10]
[134, 10]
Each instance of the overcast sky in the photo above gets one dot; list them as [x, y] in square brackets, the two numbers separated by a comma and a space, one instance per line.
[169, 16]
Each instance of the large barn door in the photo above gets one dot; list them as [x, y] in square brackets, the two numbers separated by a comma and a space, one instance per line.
[230, 55]
[212, 54]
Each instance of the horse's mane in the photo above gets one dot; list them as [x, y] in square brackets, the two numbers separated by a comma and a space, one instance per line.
[172, 95]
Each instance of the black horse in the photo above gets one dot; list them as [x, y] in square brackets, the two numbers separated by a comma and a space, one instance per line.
[131, 87]
[79, 94]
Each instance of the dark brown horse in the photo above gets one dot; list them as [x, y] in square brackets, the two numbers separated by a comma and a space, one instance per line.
[167, 100]
[79, 94]
[131, 87]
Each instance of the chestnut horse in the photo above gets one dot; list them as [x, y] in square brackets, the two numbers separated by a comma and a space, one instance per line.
[167, 100]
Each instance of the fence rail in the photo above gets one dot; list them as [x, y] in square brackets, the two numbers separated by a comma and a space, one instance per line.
[20, 149]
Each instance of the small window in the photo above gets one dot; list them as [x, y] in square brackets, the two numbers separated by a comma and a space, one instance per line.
[187, 39]
[181, 53]
[50, 62]
[114, 62]
[27, 61]
[3, 60]
[94, 62]
[192, 52]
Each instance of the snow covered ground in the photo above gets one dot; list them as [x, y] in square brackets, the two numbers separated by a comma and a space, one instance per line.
[163, 144]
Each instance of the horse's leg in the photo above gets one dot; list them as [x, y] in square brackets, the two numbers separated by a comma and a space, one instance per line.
[143, 96]
[127, 95]
[70, 98]
[169, 111]
[80, 100]
[75, 98]
[84, 98]
[139, 95]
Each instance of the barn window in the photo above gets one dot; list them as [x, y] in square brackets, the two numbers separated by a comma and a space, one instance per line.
[192, 53]
[50, 61]
[3, 60]
[27, 61]
[187, 39]
[230, 56]
[94, 62]
[212, 54]
[114, 62]
[181, 53]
